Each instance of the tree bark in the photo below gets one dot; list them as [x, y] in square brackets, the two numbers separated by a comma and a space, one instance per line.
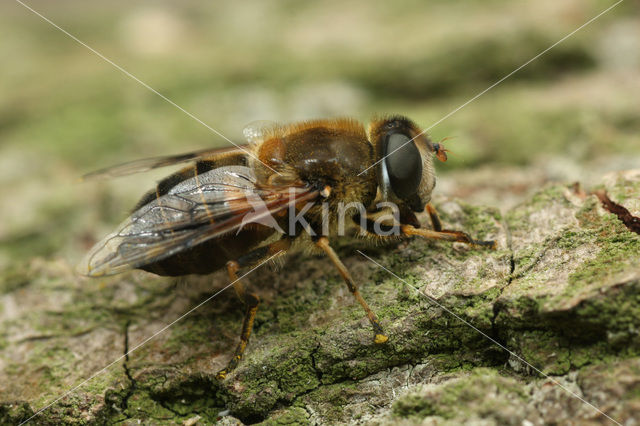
[544, 329]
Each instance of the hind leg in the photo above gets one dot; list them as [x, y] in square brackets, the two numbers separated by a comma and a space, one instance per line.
[250, 300]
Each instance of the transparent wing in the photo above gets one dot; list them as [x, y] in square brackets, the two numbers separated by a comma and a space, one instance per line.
[147, 164]
[194, 211]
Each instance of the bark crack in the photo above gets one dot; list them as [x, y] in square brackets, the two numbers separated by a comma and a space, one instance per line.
[127, 372]
[318, 372]
[512, 267]
[631, 222]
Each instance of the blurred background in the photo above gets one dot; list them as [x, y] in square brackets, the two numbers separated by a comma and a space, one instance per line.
[573, 114]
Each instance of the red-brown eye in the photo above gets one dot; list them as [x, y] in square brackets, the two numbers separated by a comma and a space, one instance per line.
[403, 164]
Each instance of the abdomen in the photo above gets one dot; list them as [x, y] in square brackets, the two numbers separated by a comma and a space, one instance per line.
[213, 254]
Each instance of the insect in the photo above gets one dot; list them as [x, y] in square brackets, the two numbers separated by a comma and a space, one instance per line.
[299, 175]
[440, 150]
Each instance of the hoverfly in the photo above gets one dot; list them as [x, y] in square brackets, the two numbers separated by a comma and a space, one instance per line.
[193, 222]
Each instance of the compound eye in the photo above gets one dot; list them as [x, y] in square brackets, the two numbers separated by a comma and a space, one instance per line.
[403, 163]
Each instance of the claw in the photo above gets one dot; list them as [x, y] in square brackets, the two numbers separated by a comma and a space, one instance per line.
[222, 374]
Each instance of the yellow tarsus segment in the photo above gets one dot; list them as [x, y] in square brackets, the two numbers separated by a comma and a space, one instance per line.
[380, 338]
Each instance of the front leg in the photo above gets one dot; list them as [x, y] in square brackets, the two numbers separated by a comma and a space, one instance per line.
[447, 235]
[409, 230]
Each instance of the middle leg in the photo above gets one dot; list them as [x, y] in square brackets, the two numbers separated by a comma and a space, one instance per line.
[323, 243]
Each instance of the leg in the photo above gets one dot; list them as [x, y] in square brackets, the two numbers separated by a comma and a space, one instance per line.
[323, 243]
[435, 219]
[437, 233]
[250, 300]
[446, 235]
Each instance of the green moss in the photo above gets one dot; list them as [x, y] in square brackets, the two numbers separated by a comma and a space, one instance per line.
[537, 325]
[14, 412]
[601, 327]
[545, 350]
[333, 400]
[619, 249]
[195, 332]
[14, 277]
[572, 239]
[614, 314]
[480, 221]
[623, 190]
[588, 354]
[413, 406]
[290, 311]
[483, 393]
[292, 416]
[518, 218]
[476, 309]
[140, 406]
[174, 399]
[274, 376]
